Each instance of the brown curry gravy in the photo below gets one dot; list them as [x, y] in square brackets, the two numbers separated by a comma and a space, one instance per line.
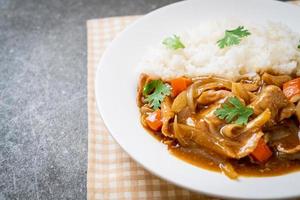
[243, 167]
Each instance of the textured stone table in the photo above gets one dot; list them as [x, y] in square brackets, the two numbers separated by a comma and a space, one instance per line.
[43, 109]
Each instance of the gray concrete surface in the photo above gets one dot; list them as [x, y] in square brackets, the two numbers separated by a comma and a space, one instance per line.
[43, 93]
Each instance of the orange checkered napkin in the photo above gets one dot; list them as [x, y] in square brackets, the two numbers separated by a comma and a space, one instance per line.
[112, 174]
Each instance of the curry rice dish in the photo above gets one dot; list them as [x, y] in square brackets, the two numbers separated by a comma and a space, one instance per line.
[242, 123]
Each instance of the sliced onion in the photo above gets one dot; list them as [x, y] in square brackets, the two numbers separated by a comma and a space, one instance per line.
[190, 98]
[166, 115]
[258, 122]
[231, 130]
[214, 85]
[275, 80]
[228, 170]
[211, 96]
[202, 84]
[179, 102]
[295, 149]
[209, 79]
[239, 91]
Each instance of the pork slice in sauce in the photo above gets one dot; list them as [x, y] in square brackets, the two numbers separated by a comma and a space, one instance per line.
[272, 97]
[206, 133]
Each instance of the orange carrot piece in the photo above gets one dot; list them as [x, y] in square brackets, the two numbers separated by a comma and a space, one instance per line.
[153, 120]
[262, 152]
[291, 89]
[179, 85]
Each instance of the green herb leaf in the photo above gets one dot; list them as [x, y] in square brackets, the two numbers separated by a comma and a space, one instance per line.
[155, 92]
[299, 45]
[173, 42]
[233, 37]
[149, 87]
[234, 111]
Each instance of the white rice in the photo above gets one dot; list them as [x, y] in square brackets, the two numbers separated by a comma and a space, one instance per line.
[272, 46]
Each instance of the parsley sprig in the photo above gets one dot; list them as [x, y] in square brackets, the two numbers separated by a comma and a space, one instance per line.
[173, 42]
[155, 92]
[233, 37]
[234, 111]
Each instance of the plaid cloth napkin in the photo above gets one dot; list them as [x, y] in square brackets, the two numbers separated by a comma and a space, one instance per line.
[112, 174]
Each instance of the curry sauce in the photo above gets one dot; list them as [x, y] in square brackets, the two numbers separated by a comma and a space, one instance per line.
[247, 127]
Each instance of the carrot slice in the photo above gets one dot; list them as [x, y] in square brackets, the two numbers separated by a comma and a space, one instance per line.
[291, 89]
[262, 152]
[153, 120]
[179, 84]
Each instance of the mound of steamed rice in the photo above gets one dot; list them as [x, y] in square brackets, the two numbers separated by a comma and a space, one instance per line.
[270, 47]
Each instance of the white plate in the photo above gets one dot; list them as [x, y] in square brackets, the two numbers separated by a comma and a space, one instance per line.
[116, 90]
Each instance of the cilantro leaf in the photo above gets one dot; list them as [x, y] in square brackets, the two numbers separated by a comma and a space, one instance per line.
[234, 111]
[173, 42]
[233, 37]
[149, 87]
[155, 92]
